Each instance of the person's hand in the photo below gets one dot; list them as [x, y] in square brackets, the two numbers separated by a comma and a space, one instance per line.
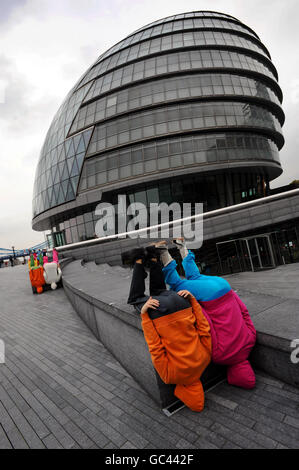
[185, 293]
[150, 303]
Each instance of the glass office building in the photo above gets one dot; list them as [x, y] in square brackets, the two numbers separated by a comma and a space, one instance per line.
[186, 109]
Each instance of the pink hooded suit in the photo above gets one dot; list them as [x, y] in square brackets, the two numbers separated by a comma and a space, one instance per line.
[232, 331]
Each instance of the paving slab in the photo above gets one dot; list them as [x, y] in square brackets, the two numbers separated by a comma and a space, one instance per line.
[61, 388]
[272, 298]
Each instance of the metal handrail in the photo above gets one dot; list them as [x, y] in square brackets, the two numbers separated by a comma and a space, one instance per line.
[205, 215]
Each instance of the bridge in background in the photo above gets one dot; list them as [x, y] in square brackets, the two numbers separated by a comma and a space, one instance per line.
[6, 253]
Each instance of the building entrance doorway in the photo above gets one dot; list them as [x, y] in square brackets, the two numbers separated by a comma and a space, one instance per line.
[246, 254]
[55, 239]
[260, 253]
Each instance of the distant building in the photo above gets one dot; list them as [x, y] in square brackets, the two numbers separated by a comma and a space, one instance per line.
[186, 109]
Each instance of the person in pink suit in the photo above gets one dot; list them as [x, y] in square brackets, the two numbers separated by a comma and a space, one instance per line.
[232, 331]
[55, 257]
[45, 257]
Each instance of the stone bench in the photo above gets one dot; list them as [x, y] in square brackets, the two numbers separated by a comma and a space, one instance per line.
[98, 294]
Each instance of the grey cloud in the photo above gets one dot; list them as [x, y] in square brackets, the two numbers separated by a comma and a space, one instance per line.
[8, 7]
[17, 110]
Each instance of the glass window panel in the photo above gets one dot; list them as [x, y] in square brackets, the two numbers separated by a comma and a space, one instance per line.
[101, 178]
[174, 147]
[74, 233]
[173, 126]
[165, 194]
[111, 141]
[89, 230]
[112, 162]
[136, 134]
[113, 175]
[140, 196]
[220, 120]
[161, 128]
[111, 101]
[91, 181]
[163, 163]
[125, 171]
[187, 145]
[188, 159]
[150, 166]
[162, 149]
[123, 137]
[136, 155]
[186, 124]
[175, 160]
[125, 157]
[153, 195]
[137, 168]
[150, 152]
[148, 131]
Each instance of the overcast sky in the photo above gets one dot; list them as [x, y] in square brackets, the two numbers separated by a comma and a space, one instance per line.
[45, 45]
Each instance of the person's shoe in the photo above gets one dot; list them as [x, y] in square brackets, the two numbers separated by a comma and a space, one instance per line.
[179, 242]
[154, 249]
[152, 256]
[161, 246]
[129, 257]
[151, 252]
[162, 253]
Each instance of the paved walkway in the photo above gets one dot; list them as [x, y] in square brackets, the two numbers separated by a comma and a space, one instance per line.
[282, 281]
[60, 388]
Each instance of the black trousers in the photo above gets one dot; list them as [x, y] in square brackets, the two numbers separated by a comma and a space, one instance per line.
[156, 283]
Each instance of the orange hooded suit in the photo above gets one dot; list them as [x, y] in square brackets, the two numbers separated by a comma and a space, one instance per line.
[180, 346]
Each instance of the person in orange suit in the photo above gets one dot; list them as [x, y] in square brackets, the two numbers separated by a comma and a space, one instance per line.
[175, 329]
[36, 274]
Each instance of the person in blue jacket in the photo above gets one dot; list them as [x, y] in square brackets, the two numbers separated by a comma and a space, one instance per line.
[232, 331]
[207, 288]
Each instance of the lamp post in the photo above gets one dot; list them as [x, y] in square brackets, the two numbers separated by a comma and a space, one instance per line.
[12, 257]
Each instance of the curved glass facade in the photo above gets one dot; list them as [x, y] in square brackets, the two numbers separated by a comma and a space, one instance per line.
[186, 109]
[176, 41]
[197, 14]
[178, 119]
[58, 175]
[174, 63]
[171, 89]
[176, 153]
[181, 25]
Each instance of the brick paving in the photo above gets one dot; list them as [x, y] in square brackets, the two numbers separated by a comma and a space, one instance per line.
[60, 388]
